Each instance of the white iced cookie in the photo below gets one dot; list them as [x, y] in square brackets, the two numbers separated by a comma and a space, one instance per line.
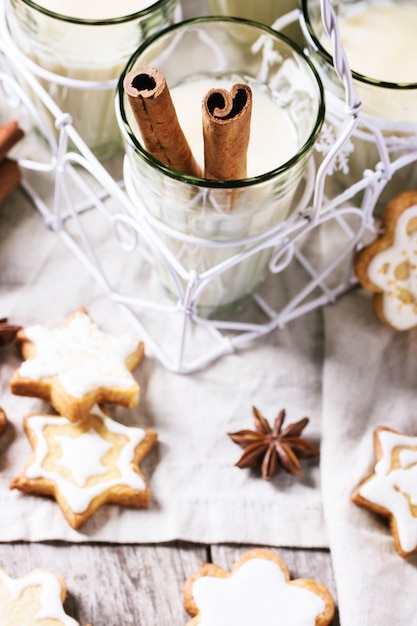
[258, 590]
[86, 465]
[77, 366]
[391, 490]
[35, 598]
[388, 266]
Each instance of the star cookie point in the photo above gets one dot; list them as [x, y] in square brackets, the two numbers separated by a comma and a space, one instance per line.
[388, 266]
[77, 366]
[391, 489]
[87, 464]
[37, 596]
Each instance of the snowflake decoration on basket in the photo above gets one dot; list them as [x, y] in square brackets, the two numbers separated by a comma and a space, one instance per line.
[325, 143]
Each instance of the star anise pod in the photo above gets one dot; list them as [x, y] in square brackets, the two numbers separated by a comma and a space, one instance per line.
[7, 331]
[272, 447]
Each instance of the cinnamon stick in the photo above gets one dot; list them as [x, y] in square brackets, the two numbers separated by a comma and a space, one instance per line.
[10, 177]
[7, 331]
[226, 132]
[155, 115]
[10, 134]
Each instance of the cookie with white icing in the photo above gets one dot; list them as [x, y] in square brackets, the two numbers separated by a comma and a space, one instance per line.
[37, 597]
[388, 266]
[87, 464]
[3, 421]
[77, 366]
[391, 489]
[258, 590]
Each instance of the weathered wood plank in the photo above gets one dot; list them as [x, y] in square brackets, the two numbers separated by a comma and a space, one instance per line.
[140, 584]
[114, 584]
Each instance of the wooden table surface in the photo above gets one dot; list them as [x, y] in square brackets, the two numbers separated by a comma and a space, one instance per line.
[117, 585]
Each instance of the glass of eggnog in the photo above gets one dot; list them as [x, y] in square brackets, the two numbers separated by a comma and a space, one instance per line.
[223, 244]
[264, 11]
[83, 46]
[379, 39]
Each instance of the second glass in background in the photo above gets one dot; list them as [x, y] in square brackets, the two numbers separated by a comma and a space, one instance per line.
[374, 36]
[85, 40]
[264, 11]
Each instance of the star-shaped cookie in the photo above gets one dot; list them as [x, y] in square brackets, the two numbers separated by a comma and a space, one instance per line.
[388, 266]
[86, 465]
[391, 489]
[77, 366]
[256, 591]
[37, 597]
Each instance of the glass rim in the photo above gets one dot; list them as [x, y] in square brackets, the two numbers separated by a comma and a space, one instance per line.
[204, 182]
[93, 22]
[375, 82]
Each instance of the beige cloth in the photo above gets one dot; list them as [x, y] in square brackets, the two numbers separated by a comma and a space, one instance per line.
[198, 493]
[369, 379]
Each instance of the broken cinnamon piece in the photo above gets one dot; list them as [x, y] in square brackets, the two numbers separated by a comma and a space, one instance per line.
[8, 331]
[10, 134]
[3, 421]
[155, 114]
[226, 131]
[10, 177]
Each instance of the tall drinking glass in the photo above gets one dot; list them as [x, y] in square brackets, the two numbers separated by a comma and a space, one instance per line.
[83, 43]
[288, 111]
[379, 39]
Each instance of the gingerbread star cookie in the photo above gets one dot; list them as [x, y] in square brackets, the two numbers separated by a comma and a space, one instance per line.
[86, 465]
[77, 366]
[391, 489]
[258, 590]
[388, 266]
[35, 598]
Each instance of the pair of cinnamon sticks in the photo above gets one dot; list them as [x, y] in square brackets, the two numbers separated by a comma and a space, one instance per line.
[226, 120]
[10, 174]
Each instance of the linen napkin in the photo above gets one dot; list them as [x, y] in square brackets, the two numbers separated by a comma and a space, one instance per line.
[198, 493]
[369, 379]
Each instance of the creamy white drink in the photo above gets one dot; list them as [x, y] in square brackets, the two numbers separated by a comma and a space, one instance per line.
[273, 138]
[86, 40]
[95, 9]
[380, 41]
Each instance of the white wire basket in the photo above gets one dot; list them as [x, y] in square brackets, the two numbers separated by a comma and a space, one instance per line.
[300, 280]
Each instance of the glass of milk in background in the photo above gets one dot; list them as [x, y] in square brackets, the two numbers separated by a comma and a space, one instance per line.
[86, 40]
[287, 114]
[379, 39]
[264, 11]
